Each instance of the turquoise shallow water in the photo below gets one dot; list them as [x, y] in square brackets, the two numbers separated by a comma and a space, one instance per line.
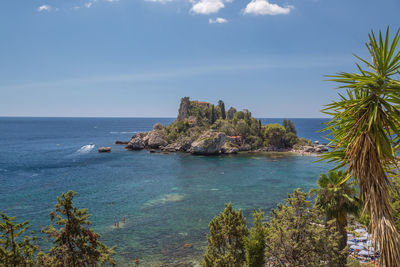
[166, 200]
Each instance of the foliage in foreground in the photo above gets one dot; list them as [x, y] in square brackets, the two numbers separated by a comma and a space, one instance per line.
[16, 246]
[395, 201]
[74, 243]
[255, 242]
[226, 241]
[365, 132]
[294, 236]
[337, 199]
[297, 236]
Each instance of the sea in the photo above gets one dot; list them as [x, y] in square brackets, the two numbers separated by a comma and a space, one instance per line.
[161, 202]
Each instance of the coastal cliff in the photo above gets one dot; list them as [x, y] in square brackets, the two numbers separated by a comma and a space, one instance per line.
[205, 129]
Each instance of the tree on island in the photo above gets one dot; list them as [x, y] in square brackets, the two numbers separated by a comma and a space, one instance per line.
[337, 199]
[297, 236]
[213, 115]
[289, 126]
[226, 241]
[221, 106]
[16, 247]
[365, 134]
[74, 244]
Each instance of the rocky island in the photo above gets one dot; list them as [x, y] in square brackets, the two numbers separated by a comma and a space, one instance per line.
[205, 129]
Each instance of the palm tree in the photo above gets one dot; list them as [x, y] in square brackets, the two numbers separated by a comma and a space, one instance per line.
[365, 133]
[336, 199]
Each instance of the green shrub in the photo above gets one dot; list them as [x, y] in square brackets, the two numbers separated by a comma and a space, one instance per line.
[297, 235]
[291, 139]
[255, 242]
[254, 141]
[289, 126]
[226, 241]
[242, 128]
[16, 247]
[275, 135]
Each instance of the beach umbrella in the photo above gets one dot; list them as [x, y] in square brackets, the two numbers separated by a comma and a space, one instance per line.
[367, 235]
[356, 247]
[351, 242]
[371, 250]
[360, 230]
[369, 243]
[364, 253]
[361, 238]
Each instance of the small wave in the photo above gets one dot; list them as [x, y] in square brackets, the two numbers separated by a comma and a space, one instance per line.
[164, 199]
[123, 132]
[86, 148]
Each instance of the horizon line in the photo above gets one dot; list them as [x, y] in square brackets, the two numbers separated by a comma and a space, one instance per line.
[139, 117]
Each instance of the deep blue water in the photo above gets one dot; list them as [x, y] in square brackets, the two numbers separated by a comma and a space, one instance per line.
[167, 200]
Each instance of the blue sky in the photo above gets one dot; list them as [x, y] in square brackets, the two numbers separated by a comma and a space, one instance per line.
[137, 58]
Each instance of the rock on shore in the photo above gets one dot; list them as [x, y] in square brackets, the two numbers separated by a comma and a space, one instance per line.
[104, 149]
[209, 143]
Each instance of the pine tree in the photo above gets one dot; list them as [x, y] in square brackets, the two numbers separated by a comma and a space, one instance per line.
[297, 236]
[255, 242]
[289, 126]
[221, 106]
[74, 244]
[226, 239]
[213, 117]
[16, 248]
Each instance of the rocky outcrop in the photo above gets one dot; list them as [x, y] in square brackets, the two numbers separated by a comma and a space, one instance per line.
[104, 149]
[229, 148]
[183, 112]
[231, 112]
[209, 143]
[245, 147]
[157, 139]
[308, 149]
[138, 141]
[313, 149]
[183, 144]
[201, 128]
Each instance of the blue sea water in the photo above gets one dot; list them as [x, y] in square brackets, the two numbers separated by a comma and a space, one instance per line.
[167, 200]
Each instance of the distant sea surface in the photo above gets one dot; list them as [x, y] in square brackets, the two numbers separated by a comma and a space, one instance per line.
[167, 200]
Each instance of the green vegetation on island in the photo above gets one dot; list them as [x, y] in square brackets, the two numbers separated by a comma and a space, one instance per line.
[204, 128]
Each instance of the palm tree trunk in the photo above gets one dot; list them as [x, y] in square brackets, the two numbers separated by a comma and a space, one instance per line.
[341, 228]
[369, 173]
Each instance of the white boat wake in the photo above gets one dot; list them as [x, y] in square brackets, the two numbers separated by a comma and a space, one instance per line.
[86, 148]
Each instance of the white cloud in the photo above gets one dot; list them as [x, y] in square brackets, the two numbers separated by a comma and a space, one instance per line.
[263, 7]
[88, 4]
[208, 6]
[217, 20]
[44, 8]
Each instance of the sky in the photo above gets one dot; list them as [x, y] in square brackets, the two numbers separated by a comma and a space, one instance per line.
[138, 58]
